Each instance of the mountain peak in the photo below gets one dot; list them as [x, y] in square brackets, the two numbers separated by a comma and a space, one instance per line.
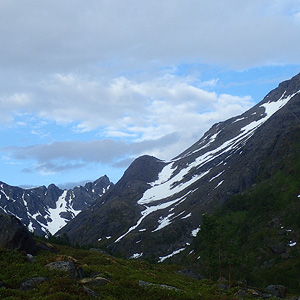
[159, 204]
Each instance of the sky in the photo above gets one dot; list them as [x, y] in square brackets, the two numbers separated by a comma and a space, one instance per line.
[88, 86]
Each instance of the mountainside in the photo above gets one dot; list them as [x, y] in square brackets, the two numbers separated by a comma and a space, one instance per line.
[45, 210]
[155, 210]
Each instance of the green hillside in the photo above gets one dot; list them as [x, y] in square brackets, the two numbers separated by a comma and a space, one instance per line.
[120, 279]
[255, 236]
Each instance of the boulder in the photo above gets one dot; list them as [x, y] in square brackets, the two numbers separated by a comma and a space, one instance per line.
[253, 293]
[190, 273]
[277, 290]
[163, 286]
[30, 258]
[46, 247]
[14, 235]
[98, 250]
[66, 266]
[31, 283]
[278, 248]
[90, 292]
[99, 281]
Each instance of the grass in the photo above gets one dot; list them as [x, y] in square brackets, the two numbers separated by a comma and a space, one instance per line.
[124, 276]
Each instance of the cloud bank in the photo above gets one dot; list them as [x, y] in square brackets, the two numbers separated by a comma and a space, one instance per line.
[114, 73]
[51, 35]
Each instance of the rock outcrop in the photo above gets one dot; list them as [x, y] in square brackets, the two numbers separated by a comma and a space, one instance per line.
[14, 235]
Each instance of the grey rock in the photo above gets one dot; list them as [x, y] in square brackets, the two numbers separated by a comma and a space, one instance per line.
[190, 273]
[252, 292]
[66, 266]
[46, 247]
[281, 232]
[222, 286]
[90, 292]
[278, 248]
[33, 282]
[163, 286]
[100, 251]
[277, 290]
[30, 258]
[98, 281]
[14, 235]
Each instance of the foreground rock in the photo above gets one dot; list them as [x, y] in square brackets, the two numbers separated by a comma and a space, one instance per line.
[162, 286]
[98, 281]
[277, 290]
[32, 283]
[191, 274]
[67, 266]
[14, 235]
[90, 292]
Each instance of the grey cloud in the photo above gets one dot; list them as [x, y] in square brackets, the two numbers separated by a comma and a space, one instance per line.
[65, 156]
[52, 167]
[51, 35]
[123, 163]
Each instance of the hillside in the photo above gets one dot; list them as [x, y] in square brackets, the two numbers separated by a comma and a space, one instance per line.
[93, 274]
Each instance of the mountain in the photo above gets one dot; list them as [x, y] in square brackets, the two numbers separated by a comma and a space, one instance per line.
[155, 210]
[45, 210]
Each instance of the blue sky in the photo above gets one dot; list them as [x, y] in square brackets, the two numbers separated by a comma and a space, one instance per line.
[88, 86]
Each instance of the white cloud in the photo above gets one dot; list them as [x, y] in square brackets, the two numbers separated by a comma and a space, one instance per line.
[129, 109]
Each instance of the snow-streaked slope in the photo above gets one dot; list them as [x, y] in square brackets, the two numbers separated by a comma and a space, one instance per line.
[156, 208]
[168, 185]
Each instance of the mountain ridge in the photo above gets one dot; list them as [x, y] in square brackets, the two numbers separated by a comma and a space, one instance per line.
[156, 212]
[46, 209]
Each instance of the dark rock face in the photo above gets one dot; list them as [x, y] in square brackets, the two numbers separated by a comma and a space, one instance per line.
[14, 235]
[156, 207]
[34, 206]
[277, 290]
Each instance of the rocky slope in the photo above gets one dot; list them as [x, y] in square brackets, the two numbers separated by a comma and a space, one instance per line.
[45, 210]
[155, 210]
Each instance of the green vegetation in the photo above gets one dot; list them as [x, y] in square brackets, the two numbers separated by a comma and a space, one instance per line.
[123, 276]
[255, 236]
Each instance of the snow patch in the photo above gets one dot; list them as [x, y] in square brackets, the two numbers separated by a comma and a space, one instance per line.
[163, 258]
[216, 176]
[219, 184]
[163, 222]
[54, 214]
[195, 231]
[239, 119]
[187, 216]
[136, 255]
